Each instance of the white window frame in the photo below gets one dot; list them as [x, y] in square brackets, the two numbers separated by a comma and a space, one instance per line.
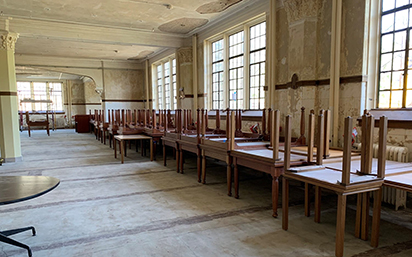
[155, 91]
[246, 66]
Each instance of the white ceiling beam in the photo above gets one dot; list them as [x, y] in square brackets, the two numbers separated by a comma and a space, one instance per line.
[92, 34]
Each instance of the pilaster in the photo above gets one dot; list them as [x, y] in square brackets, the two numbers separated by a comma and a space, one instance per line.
[10, 147]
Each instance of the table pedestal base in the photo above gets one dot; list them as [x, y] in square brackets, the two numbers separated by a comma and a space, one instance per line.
[4, 237]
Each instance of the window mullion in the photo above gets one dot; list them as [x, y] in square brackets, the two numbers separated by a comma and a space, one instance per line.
[246, 68]
[226, 90]
[405, 73]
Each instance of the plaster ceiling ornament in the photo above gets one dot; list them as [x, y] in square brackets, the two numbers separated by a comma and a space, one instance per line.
[8, 40]
[300, 9]
[185, 55]
[183, 25]
[217, 6]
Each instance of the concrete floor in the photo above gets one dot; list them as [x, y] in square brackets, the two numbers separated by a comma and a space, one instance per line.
[141, 208]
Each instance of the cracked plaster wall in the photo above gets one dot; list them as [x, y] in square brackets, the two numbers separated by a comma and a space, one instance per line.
[304, 48]
[124, 85]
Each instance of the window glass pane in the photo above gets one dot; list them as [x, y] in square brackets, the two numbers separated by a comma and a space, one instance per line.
[385, 81]
[384, 98]
[397, 80]
[401, 19]
[400, 41]
[399, 60]
[24, 92]
[387, 23]
[388, 5]
[408, 99]
[386, 62]
[40, 94]
[396, 101]
[400, 3]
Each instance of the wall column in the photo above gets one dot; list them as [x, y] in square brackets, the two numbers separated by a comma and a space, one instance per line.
[335, 68]
[10, 147]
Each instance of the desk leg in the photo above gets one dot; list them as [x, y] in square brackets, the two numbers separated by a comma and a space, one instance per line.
[236, 177]
[151, 149]
[199, 165]
[177, 159]
[229, 176]
[275, 195]
[365, 216]
[318, 200]
[122, 150]
[164, 154]
[340, 225]
[114, 147]
[307, 200]
[181, 160]
[358, 215]
[376, 217]
[203, 167]
[285, 203]
[125, 147]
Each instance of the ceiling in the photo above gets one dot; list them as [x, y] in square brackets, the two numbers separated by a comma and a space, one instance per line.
[110, 29]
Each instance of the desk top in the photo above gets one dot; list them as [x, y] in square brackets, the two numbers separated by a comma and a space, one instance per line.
[21, 188]
[131, 137]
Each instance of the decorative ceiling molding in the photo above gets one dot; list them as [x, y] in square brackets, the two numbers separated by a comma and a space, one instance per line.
[297, 10]
[217, 6]
[183, 25]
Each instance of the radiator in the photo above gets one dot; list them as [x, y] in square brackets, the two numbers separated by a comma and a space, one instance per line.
[391, 195]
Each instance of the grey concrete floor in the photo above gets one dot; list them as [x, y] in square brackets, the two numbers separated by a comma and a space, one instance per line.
[141, 208]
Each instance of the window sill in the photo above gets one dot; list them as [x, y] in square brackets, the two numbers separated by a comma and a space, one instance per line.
[397, 118]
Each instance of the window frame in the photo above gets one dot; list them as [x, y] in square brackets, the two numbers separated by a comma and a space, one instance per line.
[407, 50]
[245, 27]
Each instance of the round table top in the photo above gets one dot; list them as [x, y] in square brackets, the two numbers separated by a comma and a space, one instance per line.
[21, 188]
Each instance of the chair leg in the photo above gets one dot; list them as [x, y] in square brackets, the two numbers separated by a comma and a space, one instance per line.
[28, 128]
[7, 240]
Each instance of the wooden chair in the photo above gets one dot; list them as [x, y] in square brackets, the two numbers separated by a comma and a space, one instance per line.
[343, 183]
[40, 123]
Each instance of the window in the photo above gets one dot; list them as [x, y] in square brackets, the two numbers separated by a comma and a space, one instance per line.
[236, 49]
[174, 83]
[217, 74]
[257, 66]
[237, 67]
[165, 85]
[41, 93]
[395, 80]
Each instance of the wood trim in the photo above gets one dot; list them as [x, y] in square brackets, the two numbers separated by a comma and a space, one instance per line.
[83, 104]
[322, 82]
[126, 101]
[5, 93]
[202, 95]
[397, 118]
[189, 96]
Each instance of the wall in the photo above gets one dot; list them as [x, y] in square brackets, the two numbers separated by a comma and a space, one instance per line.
[124, 89]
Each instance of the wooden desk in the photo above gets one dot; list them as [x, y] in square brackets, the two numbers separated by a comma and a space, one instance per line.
[15, 189]
[122, 138]
[261, 160]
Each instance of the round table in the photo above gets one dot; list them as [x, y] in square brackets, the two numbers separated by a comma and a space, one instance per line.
[15, 189]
